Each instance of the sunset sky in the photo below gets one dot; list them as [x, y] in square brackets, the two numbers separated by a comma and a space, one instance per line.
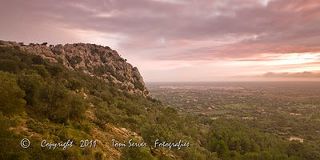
[182, 40]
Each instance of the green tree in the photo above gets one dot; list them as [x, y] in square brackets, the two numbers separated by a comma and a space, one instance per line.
[8, 65]
[221, 148]
[132, 153]
[11, 95]
[31, 83]
[62, 105]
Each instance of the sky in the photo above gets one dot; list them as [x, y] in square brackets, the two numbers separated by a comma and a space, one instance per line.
[182, 40]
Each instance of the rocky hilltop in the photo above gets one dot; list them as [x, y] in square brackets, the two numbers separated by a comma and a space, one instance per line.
[95, 60]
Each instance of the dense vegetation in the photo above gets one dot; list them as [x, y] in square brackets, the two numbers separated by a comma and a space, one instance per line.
[285, 113]
[42, 100]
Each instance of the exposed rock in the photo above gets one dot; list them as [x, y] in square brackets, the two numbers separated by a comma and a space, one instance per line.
[95, 60]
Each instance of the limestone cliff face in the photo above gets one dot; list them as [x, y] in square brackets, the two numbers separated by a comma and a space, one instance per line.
[95, 60]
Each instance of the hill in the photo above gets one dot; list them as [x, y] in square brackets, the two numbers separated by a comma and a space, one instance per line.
[77, 92]
[87, 94]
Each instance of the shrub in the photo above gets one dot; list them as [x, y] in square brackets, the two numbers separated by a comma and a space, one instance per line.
[55, 70]
[74, 60]
[32, 84]
[41, 70]
[11, 95]
[132, 153]
[63, 105]
[38, 60]
[9, 66]
[74, 84]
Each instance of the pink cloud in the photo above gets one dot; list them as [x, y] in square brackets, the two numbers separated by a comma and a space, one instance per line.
[162, 30]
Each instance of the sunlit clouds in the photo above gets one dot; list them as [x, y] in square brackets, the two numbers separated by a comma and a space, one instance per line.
[181, 40]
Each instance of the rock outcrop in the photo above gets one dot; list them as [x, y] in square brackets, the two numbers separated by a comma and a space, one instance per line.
[95, 60]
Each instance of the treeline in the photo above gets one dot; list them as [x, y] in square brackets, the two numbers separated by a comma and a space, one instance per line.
[231, 139]
[44, 90]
